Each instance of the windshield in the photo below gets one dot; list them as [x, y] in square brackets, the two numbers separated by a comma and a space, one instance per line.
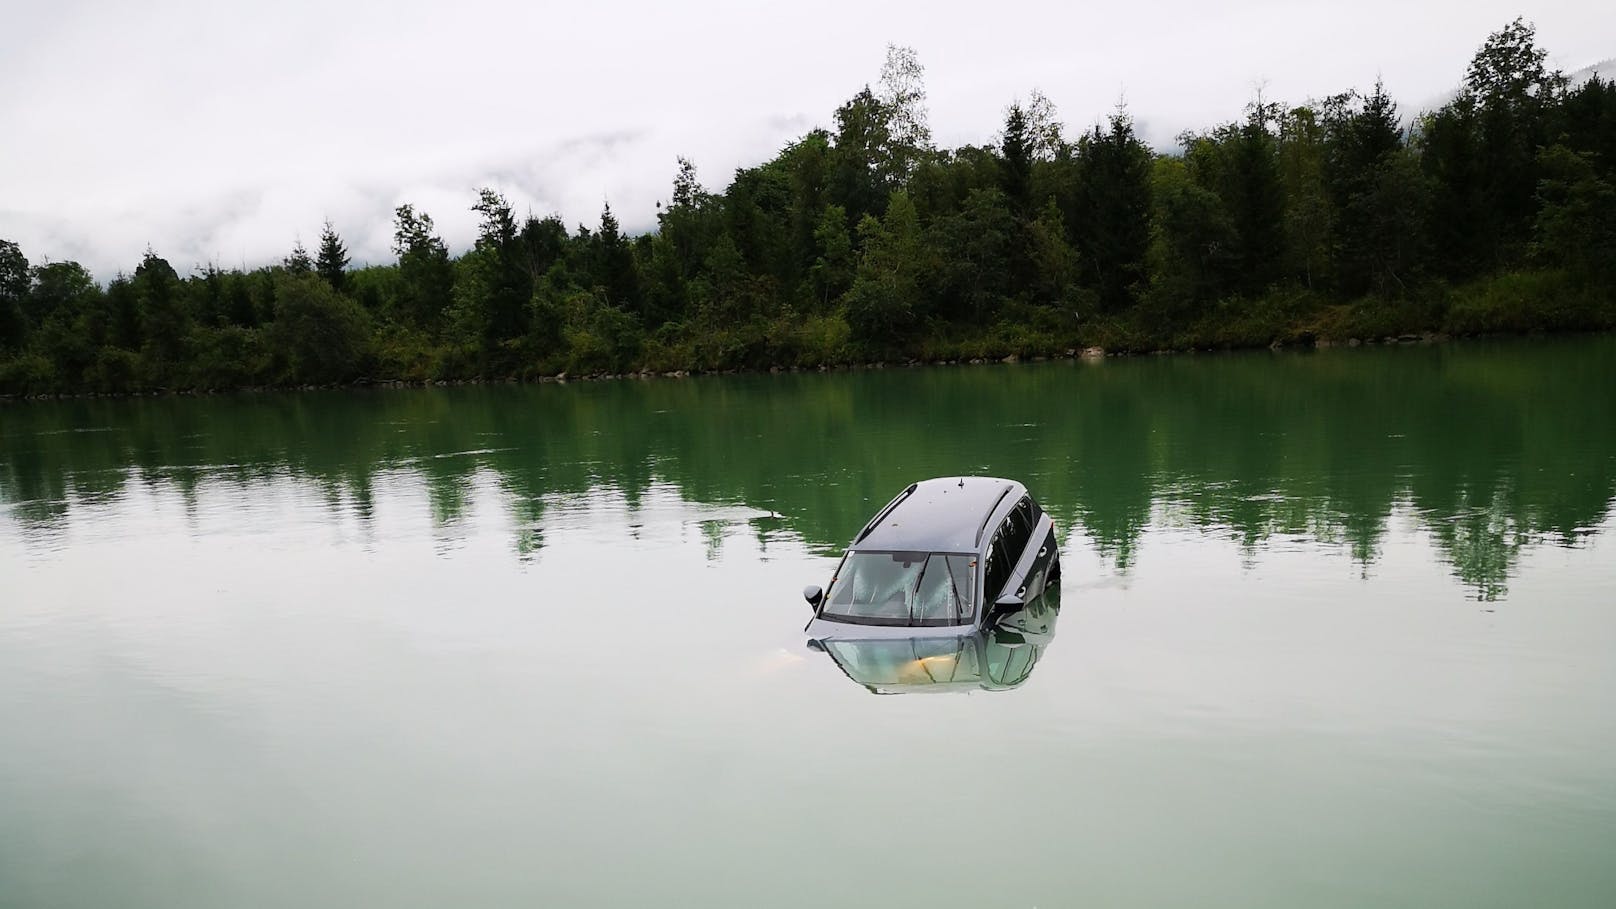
[902, 588]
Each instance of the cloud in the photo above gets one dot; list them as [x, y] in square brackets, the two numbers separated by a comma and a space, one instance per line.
[217, 132]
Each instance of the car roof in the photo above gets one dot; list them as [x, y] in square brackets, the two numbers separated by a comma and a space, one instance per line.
[939, 515]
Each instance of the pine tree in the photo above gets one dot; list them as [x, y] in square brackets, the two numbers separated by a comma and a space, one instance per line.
[332, 262]
[298, 263]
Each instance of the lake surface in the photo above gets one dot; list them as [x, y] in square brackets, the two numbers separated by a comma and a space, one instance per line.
[1337, 628]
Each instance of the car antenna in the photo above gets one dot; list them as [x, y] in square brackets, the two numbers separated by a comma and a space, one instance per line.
[962, 482]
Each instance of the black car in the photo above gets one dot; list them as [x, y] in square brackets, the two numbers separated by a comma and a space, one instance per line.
[948, 556]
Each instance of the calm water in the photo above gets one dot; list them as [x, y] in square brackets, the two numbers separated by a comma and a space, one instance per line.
[1337, 629]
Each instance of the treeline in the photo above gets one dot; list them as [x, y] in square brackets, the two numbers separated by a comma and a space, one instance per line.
[1330, 219]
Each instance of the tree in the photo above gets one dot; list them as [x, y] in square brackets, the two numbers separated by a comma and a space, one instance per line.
[974, 249]
[1016, 147]
[495, 287]
[1488, 140]
[903, 94]
[1193, 243]
[63, 305]
[1043, 127]
[685, 222]
[833, 268]
[1054, 262]
[1110, 209]
[123, 307]
[1460, 222]
[14, 285]
[319, 335]
[1576, 226]
[424, 269]
[332, 262]
[298, 262]
[1376, 195]
[861, 170]
[1308, 230]
[1240, 162]
[614, 264]
[884, 302]
[165, 320]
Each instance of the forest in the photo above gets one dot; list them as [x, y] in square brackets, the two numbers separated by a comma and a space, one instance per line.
[1330, 220]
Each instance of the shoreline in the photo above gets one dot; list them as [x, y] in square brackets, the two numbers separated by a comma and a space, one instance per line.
[1088, 354]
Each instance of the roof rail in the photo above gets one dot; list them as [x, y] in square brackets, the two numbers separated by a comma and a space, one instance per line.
[989, 516]
[881, 515]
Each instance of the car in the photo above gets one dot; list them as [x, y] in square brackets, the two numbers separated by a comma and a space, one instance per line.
[996, 658]
[946, 557]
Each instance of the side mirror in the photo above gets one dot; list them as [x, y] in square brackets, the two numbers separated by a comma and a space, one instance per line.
[1011, 601]
[813, 595]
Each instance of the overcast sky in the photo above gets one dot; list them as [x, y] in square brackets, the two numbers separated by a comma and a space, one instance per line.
[224, 132]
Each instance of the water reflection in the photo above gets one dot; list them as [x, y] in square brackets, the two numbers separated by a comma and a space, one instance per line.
[995, 658]
[1490, 449]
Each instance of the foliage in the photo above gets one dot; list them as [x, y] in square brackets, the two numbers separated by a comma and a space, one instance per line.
[1328, 219]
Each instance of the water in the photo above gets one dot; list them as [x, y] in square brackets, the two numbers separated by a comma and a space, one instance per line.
[1336, 630]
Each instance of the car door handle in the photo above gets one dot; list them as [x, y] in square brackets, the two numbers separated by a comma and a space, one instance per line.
[1043, 552]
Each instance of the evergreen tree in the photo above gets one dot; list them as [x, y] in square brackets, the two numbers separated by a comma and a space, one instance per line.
[332, 262]
[614, 264]
[1016, 148]
[298, 263]
[426, 276]
[1110, 211]
[492, 300]
[165, 320]
[1377, 199]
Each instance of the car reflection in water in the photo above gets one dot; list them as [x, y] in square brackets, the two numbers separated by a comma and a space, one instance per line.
[998, 657]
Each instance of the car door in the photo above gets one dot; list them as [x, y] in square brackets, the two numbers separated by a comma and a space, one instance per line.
[1015, 531]
[1046, 552]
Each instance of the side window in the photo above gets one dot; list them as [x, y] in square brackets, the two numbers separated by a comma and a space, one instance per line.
[1017, 529]
[998, 570]
[1030, 508]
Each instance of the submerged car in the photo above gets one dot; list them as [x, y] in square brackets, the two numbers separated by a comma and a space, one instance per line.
[946, 557]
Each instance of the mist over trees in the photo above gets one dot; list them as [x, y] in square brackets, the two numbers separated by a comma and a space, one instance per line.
[1330, 219]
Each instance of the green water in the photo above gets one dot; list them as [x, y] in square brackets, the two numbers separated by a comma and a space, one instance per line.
[1337, 629]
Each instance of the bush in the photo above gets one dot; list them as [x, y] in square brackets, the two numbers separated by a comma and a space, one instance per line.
[319, 336]
[1524, 301]
[27, 374]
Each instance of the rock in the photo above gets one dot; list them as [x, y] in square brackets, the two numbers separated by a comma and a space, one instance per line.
[1094, 353]
[1353, 342]
[976, 361]
[1011, 359]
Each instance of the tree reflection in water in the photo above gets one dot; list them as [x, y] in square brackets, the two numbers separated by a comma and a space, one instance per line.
[1491, 448]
